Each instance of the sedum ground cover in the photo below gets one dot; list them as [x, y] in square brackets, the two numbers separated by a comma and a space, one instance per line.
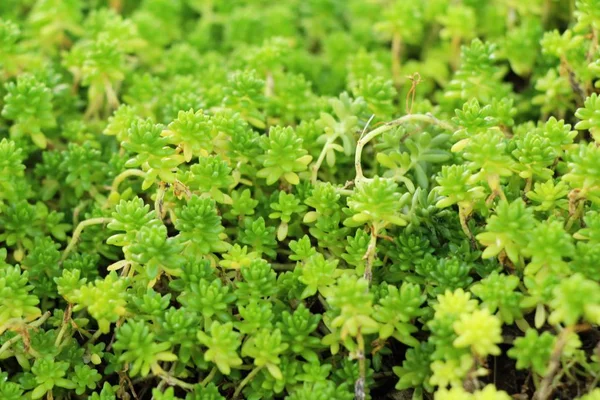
[302, 199]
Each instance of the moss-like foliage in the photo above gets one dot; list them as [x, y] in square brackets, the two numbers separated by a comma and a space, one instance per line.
[299, 199]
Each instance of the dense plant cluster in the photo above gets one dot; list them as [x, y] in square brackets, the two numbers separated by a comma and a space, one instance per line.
[302, 199]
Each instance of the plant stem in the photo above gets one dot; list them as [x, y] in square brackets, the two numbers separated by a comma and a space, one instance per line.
[528, 185]
[77, 211]
[463, 215]
[346, 192]
[359, 386]
[546, 12]
[247, 379]
[77, 232]
[124, 175]
[362, 142]
[112, 100]
[546, 387]
[160, 197]
[315, 168]
[455, 52]
[64, 325]
[35, 324]
[171, 380]
[283, 267]
[269, 85]
[370, 254]
[323, 302]
[209, 377]
[576, 203]
[95, 336]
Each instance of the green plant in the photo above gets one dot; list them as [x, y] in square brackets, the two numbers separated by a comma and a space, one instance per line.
[299, 199]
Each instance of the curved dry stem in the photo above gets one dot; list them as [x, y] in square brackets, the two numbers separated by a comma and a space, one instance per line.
[124, 175]
[77, 233]
[362, 142]
[35, 324]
